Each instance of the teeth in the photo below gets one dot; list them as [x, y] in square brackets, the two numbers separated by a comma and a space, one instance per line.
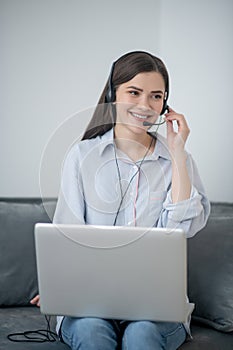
[139, 116]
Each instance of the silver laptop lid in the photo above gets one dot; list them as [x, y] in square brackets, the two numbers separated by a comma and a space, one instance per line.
[124, 272]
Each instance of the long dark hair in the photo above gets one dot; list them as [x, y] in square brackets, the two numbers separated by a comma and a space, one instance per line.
[123, 70]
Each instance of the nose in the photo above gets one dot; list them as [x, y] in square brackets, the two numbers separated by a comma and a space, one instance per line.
[144, 102]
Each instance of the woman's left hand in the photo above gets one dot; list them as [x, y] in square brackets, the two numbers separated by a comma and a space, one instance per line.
[176, 139]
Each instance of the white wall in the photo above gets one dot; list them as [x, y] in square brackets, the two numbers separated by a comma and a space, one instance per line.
[196, 40]
[55, 59]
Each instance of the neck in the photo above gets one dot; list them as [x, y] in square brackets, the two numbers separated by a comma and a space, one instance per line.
[135, 146]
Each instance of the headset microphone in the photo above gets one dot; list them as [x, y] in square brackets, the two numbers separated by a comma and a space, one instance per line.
[160, 122]
[151, 124]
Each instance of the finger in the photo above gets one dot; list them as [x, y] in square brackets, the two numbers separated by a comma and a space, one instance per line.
[183, 129]
[170, 111]
[170, 128]
[179, 118]
[35, 300]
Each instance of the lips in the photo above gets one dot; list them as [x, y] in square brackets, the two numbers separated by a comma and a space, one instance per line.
[140, 116]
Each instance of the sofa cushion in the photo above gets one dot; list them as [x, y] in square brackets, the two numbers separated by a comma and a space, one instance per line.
[18, 283]
[206, 338]
[210, 270]
[26, 319]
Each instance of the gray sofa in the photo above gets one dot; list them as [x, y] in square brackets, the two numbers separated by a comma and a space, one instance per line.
[210, 276]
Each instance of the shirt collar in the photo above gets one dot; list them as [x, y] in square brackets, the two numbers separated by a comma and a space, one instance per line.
[161, 147]
[106, 140]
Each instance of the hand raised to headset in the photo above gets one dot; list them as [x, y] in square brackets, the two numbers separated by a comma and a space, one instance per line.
[176, 139]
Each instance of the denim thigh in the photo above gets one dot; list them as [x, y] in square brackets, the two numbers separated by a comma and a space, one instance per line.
[150, 335]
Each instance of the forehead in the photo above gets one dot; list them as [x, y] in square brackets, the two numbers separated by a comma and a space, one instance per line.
[147, 80]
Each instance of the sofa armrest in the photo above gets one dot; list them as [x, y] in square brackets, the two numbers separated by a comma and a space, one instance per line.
[210, 269]
[18, 283]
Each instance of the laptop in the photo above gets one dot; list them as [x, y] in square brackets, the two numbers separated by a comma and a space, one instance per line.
[115, 272]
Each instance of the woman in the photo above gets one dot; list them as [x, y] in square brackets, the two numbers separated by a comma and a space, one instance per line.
[121, 173]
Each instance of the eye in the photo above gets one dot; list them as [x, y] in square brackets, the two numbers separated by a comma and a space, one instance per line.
[133, 92]
[157, 97]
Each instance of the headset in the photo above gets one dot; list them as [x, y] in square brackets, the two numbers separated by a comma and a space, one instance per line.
[110, 95]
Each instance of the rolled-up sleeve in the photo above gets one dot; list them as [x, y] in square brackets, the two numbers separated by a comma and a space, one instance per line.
[190, 215]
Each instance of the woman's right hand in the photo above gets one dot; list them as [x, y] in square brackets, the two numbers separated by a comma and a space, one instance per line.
[36, 300]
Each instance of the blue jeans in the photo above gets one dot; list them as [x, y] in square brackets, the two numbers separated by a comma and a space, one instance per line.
[101, 334]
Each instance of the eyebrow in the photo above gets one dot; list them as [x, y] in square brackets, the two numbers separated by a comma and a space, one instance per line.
[138, 89]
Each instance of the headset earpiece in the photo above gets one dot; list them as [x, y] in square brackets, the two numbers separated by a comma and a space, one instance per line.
[165, 107]
[110, 93]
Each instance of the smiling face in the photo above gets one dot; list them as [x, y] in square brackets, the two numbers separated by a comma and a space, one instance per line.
[139, 99]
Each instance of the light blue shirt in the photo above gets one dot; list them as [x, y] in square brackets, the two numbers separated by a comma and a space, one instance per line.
[90, 192]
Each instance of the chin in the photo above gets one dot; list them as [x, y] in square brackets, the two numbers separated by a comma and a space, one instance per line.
[136, 128]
